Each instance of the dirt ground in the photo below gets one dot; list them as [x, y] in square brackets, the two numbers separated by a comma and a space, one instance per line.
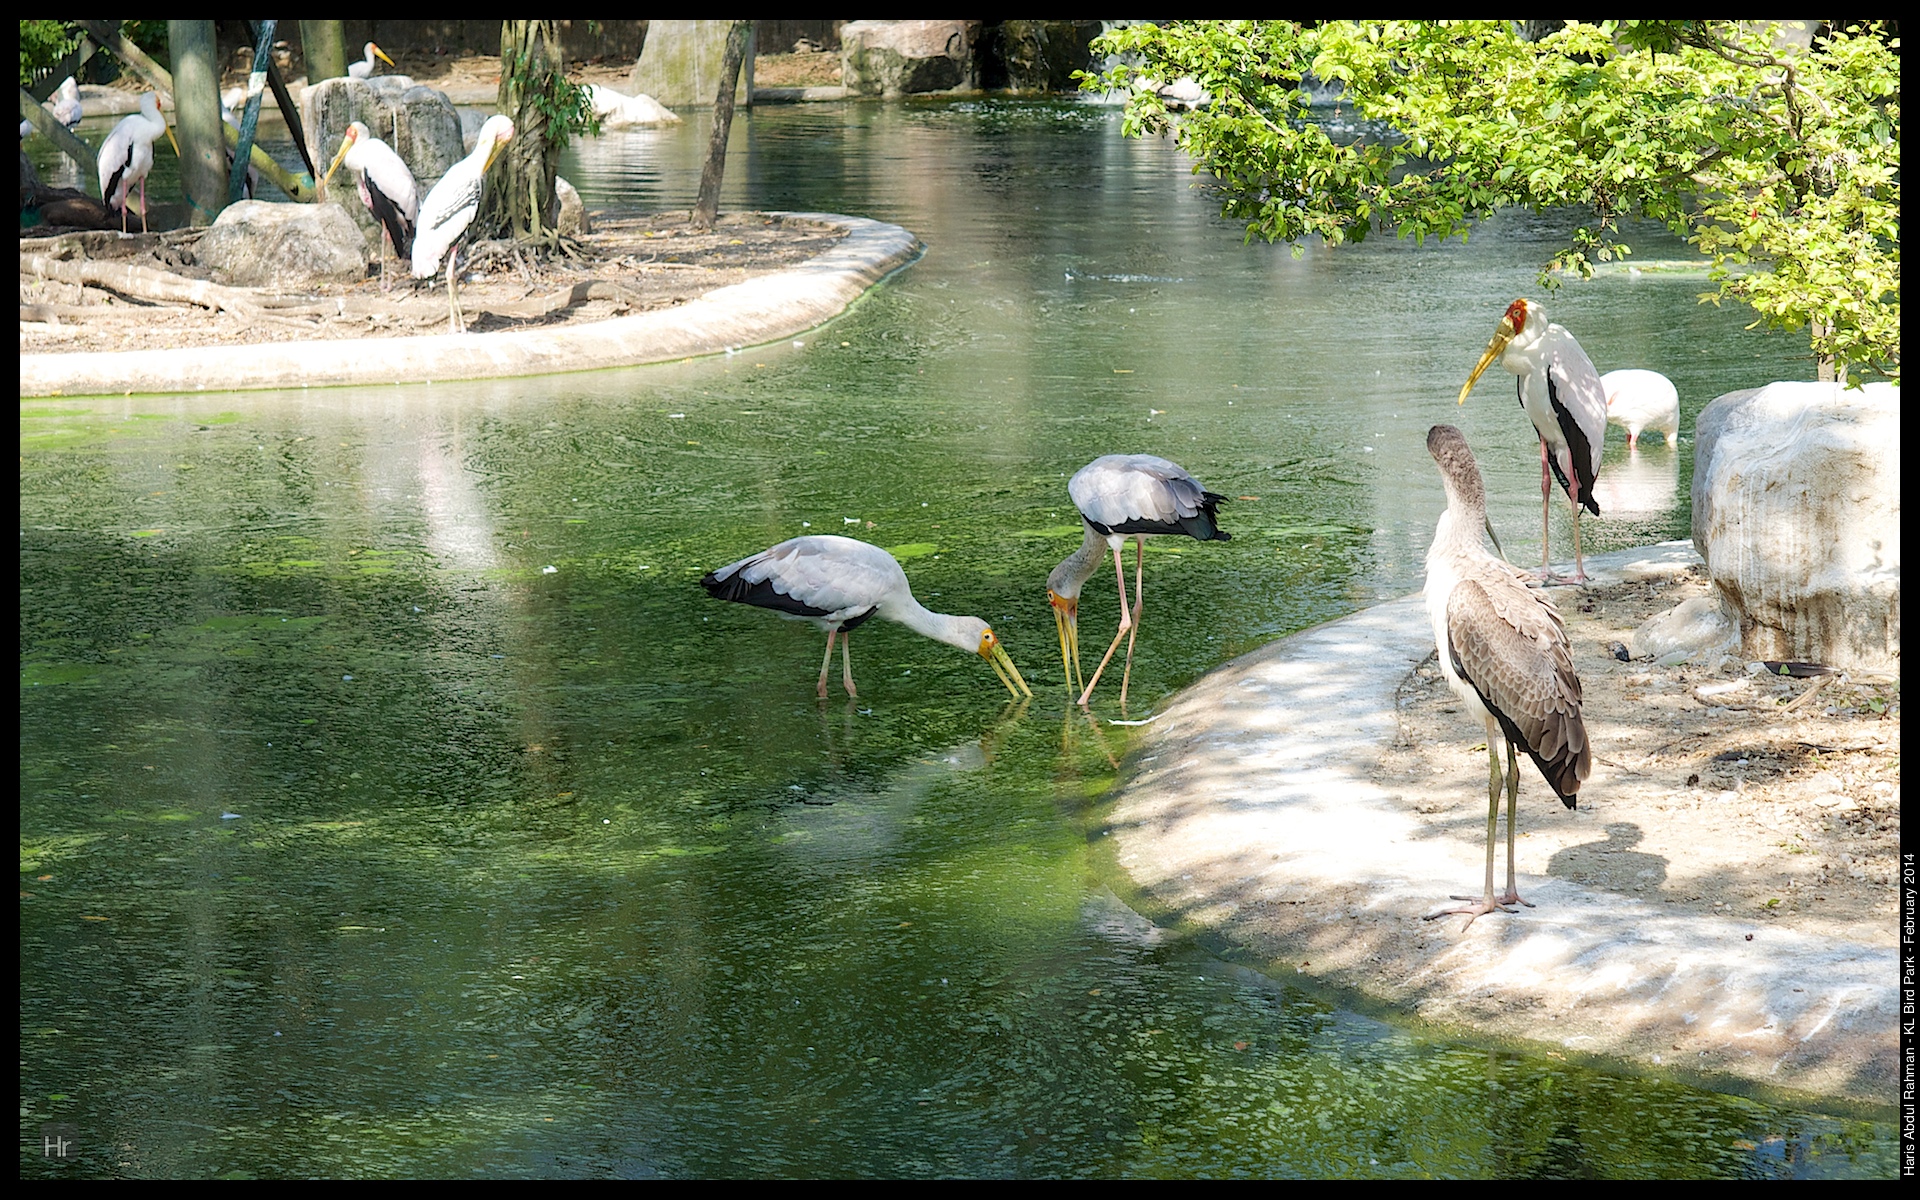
[629, 263]
[1721, 791]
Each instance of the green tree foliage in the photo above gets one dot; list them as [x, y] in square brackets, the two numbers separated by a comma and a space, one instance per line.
[44, 43]
[1781, 164]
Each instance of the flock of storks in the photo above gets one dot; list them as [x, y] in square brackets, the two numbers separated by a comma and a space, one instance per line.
[1501, 644]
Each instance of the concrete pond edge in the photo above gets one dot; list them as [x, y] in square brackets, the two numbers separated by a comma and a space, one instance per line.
[760, 310]
[1251, 817]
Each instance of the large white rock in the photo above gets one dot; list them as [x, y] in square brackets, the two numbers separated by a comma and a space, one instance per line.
[1796, 510]
[288, 247]
[619, 111]
[892, 58]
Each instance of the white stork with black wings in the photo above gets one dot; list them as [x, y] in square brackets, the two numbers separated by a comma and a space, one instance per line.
[451, 206]
[1563, 397]
[126, 157]
[387, 188]
[1121, 496]
[1504, 652]
[837, 584]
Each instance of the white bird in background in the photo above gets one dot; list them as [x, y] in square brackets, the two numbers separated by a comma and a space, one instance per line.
[387, 188]
[253, 176]
[450, 207]
[836, 583]
[364, 70]
[1504, 653]
[1121, 496]
[1562, 396]
[126, 157]
[1639, 400]
[64, 104]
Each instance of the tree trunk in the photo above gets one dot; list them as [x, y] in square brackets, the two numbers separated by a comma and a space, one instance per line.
[196, 103]
[707, 207]
[519, 198]
[323, 44]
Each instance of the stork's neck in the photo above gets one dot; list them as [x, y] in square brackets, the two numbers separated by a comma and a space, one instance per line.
[1076, 568]
[954, 631]
[1462, 527]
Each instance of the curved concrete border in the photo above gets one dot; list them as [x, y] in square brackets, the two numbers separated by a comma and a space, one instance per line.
[1254, 815]
[760, 310]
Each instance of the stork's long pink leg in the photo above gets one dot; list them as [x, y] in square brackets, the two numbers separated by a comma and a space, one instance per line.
[826, 662]
[1139, 565]
[1126, 623]
[846, 663]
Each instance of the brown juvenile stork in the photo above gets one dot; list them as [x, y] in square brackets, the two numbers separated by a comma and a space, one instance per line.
[1504, 653]
[1563, 397]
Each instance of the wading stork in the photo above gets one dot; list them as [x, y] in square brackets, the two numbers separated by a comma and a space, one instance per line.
[1504, 652]
[837, 583]
[1562, 396]
[126, 157]
[450, 207]
[386, 188]
[1639, 400]
[364, 70]
[1121, 496]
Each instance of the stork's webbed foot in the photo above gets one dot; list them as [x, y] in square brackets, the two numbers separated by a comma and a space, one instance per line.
[1512, 896]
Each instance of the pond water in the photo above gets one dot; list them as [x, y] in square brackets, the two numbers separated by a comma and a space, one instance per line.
[396, 803]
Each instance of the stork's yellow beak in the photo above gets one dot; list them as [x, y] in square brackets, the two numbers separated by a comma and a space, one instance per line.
[346, 144]
[1066, 623]
[996, 656]
[382, 56]
[1501, 336]
[175, 144]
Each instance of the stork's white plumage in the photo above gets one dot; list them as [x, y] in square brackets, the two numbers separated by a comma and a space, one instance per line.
[64, 104]
[1638, 400]
[837, 583]
[1504, 653]
[387, 188]
[1121, 496]
[451, 206]
[126, 157]
[364, 70]
[1562, 396]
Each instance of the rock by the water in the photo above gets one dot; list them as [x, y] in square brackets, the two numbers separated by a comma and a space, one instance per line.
[572, 218]
[619, 111]
[283, 246]
[1041, 56]
[418, 122]
[893, 58]
[1796, 510]
[1696, 630]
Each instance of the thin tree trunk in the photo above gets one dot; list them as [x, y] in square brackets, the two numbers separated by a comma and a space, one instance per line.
[519, 200]
[708, 206]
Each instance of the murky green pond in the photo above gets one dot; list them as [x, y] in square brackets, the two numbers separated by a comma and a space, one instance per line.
[396, 803]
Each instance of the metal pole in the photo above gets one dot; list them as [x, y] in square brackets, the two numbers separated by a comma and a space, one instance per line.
[250, 118]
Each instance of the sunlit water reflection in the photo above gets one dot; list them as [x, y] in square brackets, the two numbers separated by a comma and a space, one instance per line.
[395, 802]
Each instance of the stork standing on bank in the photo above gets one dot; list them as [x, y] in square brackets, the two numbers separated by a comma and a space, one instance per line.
[451, 206]
[364, 70]
[836, 584]
[1121, 496]
[387, 188]
[1504, 652]
[1638, 400]
[1562, 396]
[126, 157]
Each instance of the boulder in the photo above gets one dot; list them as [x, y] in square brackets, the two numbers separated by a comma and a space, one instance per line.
[571, 220]
[1796, 510]
[617, 111]
[287, 247]
[1038, 56]
[1696, 630]
[892, 58]
[680, 64]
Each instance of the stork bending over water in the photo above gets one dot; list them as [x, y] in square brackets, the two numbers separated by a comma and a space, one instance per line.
[836, 584]
[1121, 496]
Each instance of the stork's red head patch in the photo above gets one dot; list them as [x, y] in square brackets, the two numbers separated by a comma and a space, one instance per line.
[1517, 313]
